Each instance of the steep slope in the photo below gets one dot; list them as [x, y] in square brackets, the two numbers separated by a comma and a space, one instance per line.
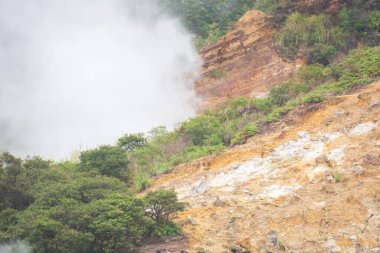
[243, 62]
[310, 183]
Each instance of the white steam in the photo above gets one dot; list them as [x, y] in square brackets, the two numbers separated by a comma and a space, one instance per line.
[83, 72]
[16, 247]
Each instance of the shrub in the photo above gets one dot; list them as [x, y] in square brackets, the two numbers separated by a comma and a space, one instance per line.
[13, 183]
[203, 130]
[162, 205]
[374, 20]
[322, 54]
[249, 130]
[267, 6]
[107, 160]
[312, 75]
[360, 66]
[81, 214]
[167, 229]
[314, 97]
[141, 181]
[262, 105]
[352, 20]
[232, 109]
[302, 31]
[132, 141]
[217, 73]
[280, 94]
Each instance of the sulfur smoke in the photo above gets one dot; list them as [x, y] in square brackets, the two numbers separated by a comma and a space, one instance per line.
[79, 73]
[15, 247]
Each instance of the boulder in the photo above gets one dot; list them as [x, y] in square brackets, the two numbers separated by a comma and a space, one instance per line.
[331, 246]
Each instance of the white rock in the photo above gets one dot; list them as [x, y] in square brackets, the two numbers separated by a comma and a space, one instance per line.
[199, 188]
[358, 170]
[320, 205]
[275, 191]
[338, 114]
[192, 221]
[336, 154]
[363, 128]
[303, 135]
[331, 246]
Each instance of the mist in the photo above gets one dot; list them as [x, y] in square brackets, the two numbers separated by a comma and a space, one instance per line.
[15, 247]
[75, 74]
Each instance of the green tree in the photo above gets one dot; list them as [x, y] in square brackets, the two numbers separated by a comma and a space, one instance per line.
[203, 130]
[107, 160]
[162, 205]
[13, 187]
[132, 141]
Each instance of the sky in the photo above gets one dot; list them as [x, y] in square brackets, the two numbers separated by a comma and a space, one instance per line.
[78, 74]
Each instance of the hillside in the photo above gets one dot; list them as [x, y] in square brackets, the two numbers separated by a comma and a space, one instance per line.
[248, 62]
[243, 63]
[283, 155]
[310, 181]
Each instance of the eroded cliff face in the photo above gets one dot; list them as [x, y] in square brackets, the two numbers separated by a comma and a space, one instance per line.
[243, 63]
[309, 183]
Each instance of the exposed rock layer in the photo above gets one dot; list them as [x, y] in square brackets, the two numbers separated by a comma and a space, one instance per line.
[242, 63]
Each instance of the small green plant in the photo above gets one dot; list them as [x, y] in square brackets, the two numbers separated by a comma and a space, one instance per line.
[281, 245]
[167, 229]
[313, 97]
[217, 73]
[338, 176]
[248, 131]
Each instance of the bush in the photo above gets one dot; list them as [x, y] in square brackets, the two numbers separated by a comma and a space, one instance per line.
[132, 141]
[162, 205]
[311, 75]
[314, 97]
[361, 66]
[280, 94]
[321, 54]
[208, 20]
[13, 183]
[217, 73]
[167, 229]
[107, 160]
[374, 20]
[249, 130]
[203, 130]
[262, 105]
[81, 214]
[141, 181]
[351, 19]
[266, 6]
[300, 31]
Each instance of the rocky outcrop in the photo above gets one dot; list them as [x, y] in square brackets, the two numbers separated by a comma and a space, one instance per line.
[243, 63]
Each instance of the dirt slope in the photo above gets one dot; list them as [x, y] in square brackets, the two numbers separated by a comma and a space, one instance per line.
[310, 183]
